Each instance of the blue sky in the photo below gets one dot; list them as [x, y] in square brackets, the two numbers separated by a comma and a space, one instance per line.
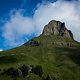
[20, 20]
[7, 5]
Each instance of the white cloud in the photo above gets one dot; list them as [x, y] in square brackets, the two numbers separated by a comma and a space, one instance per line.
[19, 25]
[16, 28]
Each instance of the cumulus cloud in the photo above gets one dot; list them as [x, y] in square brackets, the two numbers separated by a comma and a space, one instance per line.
[19, 25]
[16, 28]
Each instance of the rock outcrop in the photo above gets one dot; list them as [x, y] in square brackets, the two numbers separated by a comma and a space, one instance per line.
[33, 42]
[57, 28]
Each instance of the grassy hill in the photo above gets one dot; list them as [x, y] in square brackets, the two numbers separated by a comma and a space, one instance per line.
[58, 56]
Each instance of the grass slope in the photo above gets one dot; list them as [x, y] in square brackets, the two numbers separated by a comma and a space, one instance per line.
[58, 60]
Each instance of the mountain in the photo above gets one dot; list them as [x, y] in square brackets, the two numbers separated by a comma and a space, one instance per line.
[54, 55]
[57, 30]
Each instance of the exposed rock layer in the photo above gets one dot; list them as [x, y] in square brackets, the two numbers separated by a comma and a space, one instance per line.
[57, 28]
[33, 42]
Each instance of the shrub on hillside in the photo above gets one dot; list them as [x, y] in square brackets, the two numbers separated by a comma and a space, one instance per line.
[38, 70]
[24, 70]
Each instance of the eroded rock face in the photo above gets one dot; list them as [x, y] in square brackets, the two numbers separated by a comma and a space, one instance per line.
[57, 28]
[33, 42]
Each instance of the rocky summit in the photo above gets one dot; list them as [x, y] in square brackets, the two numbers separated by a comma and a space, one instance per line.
[57, 28]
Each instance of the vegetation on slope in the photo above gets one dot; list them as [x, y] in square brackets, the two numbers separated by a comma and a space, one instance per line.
[58, 56]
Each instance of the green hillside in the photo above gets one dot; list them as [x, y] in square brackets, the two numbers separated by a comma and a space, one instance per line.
[58, 56]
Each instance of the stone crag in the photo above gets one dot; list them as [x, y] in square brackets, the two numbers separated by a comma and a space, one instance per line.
[33, 42]
[57, 28]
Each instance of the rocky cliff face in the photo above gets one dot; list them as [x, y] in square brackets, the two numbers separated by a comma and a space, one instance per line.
[57, 28]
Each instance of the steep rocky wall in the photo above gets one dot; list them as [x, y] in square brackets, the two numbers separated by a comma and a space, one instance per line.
[57, 28]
